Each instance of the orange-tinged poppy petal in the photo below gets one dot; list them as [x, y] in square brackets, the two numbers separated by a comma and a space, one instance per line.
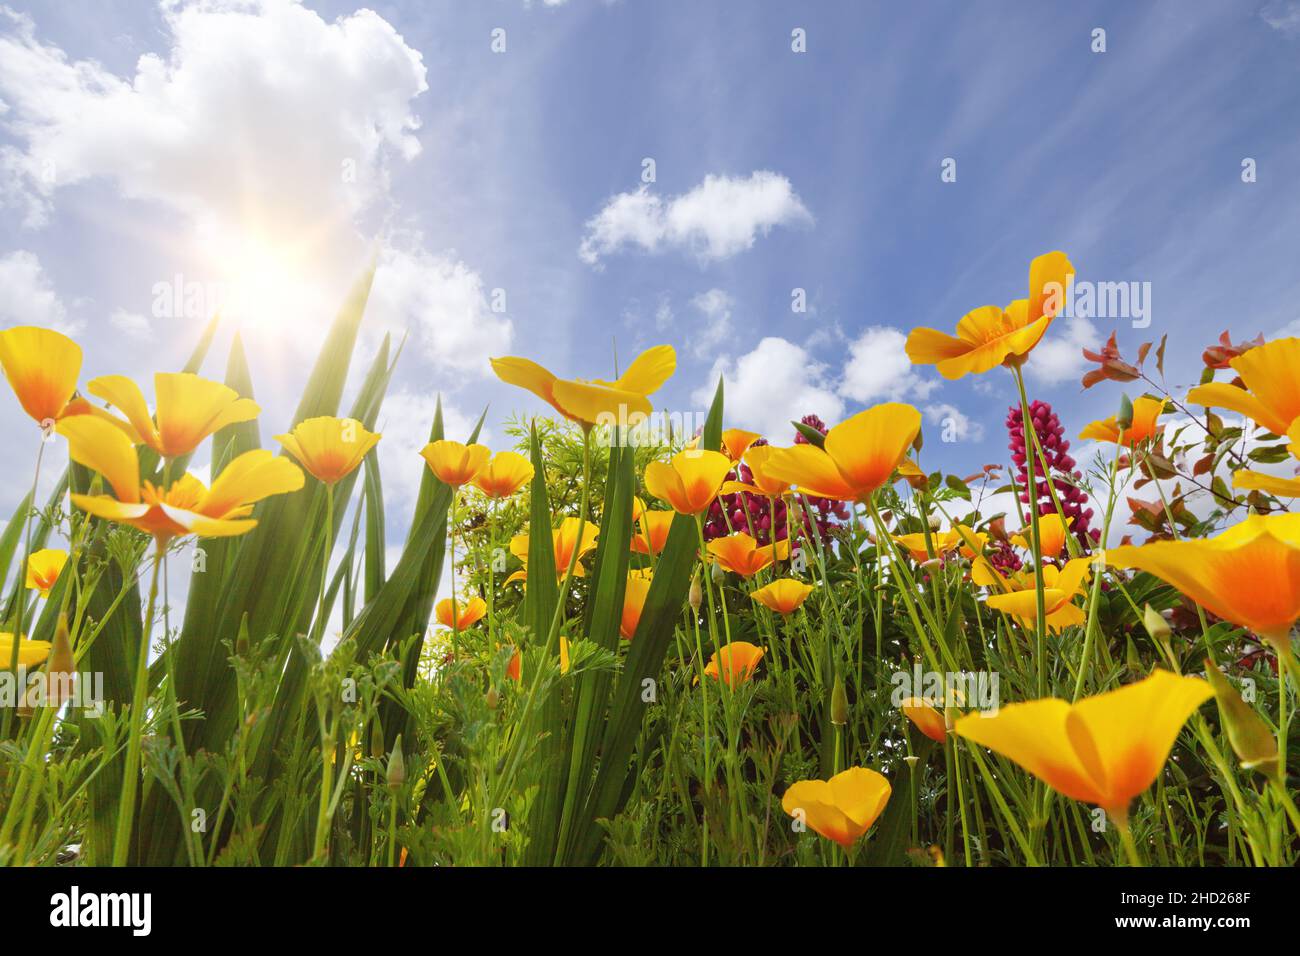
[927, 719]
[593, 404]
[736, 441]
[1269, 371]
[740, 554]
[1125, 759]
[842, 808]
[110, 509]
[43, 569]
[527, 374]
[869, 446]
[1024, 604]
[467, 612]
[812, 470]
[1034, 735]
[124, 395]
[101, 447]
[988, 323]
[1072, 576]
[634, 597]
[1236, 399]
[690, 482]
[205, 526]
[42, 368]
[1049, 277]
[738, 661]
[648, 371]
[930, 346]
[757, 459]
[784, 595]
[1021, 342]
[329, 448]
[454, 463]
[651, 533]
[1273, 484]
[190, 408]
[1248, 574]
[504, 474]
[248, 479]
[30, 653]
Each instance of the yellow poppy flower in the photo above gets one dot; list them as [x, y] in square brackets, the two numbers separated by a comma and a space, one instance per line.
[784, 595]
[1052, 532]
[563, 540]
[504, 474]
[736, 441]
[186, 507]
[1248, 574]
[739, 660]
[763, 484]
[30, 653]
[329, 448]
[588, 402]
[44, 568]
[1103, 750]
[989, 336]
[842, 808]
[926, 717]
[638, 586]
[690, 482]
[741, 554]
[943, 544]
[455, 464]
[42, 368]
[1271, 395]
[1060, 585]
[859, 456]
[652, 533]
[1145, 426]
[1273, 484]
[189, 409]
[466, 614]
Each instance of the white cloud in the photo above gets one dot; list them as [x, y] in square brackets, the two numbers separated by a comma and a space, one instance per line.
[878, 369]
[719, 218]
[1058, 358]
[444, 305]
[1283, 16]
[130, 323]
[778, 382]
[271, 131]
[954, 424]
[404, 421]
[229, 125]
[26, 295]
[715, 308]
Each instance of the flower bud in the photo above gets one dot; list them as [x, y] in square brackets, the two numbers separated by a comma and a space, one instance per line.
[1125, 417]
[60, 669]
[1157, 627]
[376, 739]
[839, 703]
[396, 766]
[1251, 739]
[697, 594]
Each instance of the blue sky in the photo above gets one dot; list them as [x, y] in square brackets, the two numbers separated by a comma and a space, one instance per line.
[222, 139]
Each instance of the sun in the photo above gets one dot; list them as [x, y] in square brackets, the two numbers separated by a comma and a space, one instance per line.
[266, 285]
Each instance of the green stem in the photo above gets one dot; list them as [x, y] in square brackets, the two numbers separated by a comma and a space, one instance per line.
[131, 773]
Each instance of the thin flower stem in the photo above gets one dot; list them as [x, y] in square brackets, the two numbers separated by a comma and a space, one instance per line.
[1040, 618]
[139, 699]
